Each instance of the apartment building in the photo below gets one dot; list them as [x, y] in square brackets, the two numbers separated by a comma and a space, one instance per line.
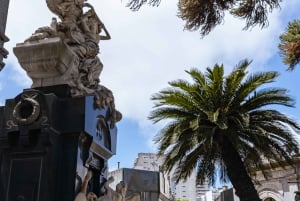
[185, 190]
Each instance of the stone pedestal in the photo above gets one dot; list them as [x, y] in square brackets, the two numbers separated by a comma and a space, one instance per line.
[48, 140]
[47, 62]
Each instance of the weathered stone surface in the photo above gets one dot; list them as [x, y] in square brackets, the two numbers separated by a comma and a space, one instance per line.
[66, 52]
[65, 125]
[281, 183]
[47, 62]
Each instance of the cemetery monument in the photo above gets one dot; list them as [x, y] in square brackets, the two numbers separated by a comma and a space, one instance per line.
[57, 136]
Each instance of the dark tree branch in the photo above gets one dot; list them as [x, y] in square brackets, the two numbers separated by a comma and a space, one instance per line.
[135, 5]
[204, 15]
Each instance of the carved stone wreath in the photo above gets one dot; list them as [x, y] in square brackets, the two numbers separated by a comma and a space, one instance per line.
[32, 108]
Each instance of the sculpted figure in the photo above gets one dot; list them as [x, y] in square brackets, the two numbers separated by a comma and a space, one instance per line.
[67, 10]
[72, 55]
[91, 196]
[119, 194]
[82, 195]
[93, 26]
[91, 66]
[80, 31]
[110, 194]
[104, 97]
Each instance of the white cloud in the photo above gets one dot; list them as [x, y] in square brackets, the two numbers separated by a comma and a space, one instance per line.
[149, 48]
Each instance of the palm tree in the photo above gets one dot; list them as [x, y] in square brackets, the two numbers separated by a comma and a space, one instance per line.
[205, 15]
[289, 45]
[224, 123]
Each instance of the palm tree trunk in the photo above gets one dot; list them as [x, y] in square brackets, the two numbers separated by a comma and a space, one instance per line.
[241, 181]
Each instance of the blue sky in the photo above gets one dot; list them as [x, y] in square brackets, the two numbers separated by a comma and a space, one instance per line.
[149, 48]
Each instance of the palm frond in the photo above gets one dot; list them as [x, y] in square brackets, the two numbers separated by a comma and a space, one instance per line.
[289, 45]
[137, 4]
[215, 112]
[252, 83]
[270, 96]
[255, 12]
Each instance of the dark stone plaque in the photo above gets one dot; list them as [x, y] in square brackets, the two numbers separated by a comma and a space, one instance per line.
[25, 179]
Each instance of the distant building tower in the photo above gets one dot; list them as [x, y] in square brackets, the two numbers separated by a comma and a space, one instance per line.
[147, 161]
[185, 190]
[149, 184]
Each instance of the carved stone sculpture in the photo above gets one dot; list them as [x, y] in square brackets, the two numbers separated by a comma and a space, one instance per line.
[66, 51]
[83, 195]
[119, 194]
[27, 117]
[110, 195]
[104, 97]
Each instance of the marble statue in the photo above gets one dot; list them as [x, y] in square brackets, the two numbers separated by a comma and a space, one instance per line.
[110, 195]
[119, 194]
[83, 195]
[75, 36]
[66, 52]
[62, 60]
[104, 97]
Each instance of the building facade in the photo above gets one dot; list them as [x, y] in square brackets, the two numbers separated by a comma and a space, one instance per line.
[150, 185]
[184, 190]
[282, 183]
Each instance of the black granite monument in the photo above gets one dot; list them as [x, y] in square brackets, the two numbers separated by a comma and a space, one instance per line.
[52, 134]
[47, 140]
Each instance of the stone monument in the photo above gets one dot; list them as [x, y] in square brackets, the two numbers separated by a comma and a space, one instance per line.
[64, 126]
[3, 37]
